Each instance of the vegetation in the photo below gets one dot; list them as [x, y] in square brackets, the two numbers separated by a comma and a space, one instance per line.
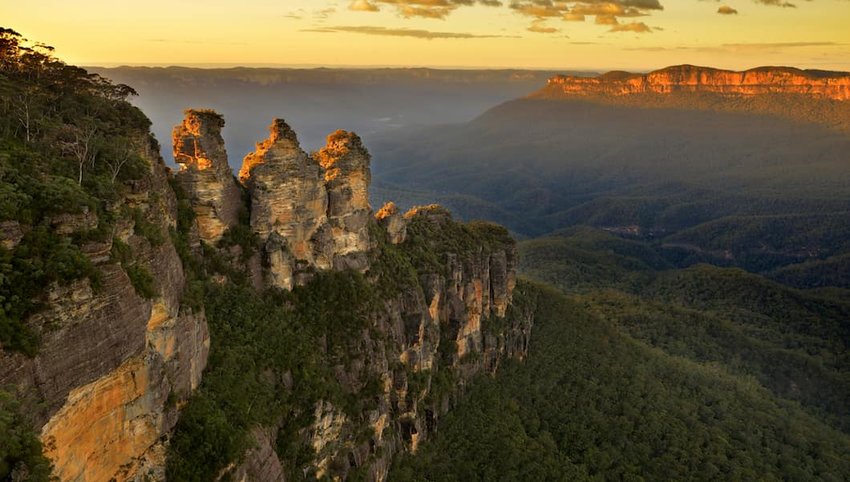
[593, 403]
[68, 143]
[20, 450]
[792, 342]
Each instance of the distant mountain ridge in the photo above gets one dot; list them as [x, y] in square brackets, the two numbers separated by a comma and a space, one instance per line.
[692, 78]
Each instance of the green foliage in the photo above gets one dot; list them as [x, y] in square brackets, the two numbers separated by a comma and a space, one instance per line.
[794, 343]
[142, 280]
[20, 448]
[146, 229]
[69, 141]
[592, 403]
[41, 259]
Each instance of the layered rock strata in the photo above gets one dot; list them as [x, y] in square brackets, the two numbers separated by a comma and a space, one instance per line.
[689, 78]
[113, 367]
[456, 321]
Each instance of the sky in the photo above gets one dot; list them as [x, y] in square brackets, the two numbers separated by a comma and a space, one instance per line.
[541, 34]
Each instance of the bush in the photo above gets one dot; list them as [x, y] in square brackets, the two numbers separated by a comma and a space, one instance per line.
[142, 280]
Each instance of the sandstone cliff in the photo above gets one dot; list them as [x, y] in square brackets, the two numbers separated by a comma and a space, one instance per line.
[441, 311]
[114, 366]
[689, 78]
[399, 313]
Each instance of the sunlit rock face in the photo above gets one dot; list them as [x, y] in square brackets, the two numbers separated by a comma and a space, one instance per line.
[689, 78]
[347, 178]
[289, 206]
[311, 212]
[113, 367]
[205, 174]
[391, 219]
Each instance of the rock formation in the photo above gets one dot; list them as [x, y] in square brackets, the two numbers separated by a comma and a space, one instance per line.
[205, 173]
[289, 204]
[347, 178]
[115, 367]
[440, 327]
[309, 212]
[391, 219]
[689, 78]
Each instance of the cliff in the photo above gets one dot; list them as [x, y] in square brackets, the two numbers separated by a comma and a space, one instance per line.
[397, 311]
[114, 361]
[689, 78]
[186, 326]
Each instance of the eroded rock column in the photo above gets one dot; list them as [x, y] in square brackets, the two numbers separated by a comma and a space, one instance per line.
[289, 205]
[205, 174]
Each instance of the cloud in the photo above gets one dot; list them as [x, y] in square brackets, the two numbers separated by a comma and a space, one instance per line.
[608, 13]
[776, 3]
[760, 48]
[324, 13]
[403, 32]
[604, 12]
[363, 6]
[539, 26]
[438, 9]
[635, 27]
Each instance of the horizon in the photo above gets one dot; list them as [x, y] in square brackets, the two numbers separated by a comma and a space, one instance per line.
[597, 71]
[594, 36]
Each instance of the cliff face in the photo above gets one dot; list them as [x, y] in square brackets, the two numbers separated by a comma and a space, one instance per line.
[688, 78]
[113, 366]
[424, 343]
[426, 337]
[122, 355]
[205, 173]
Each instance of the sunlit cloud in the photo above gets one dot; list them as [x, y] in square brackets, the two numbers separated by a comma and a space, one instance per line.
[776, 3]
[437, 9]
[635, 27]
[403, 32]
[608, 13]
[539, 26]
[363, 6]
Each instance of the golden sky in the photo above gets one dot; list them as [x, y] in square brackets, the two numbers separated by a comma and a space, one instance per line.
[593, 34]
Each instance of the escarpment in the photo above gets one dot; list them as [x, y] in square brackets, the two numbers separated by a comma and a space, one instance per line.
[116, 359]
[429, 308]
[689, 78]
[340, 336]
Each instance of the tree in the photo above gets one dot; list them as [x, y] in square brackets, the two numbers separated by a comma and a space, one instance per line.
[79, 142]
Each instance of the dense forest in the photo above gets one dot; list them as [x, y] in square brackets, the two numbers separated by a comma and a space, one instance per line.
[595, 402]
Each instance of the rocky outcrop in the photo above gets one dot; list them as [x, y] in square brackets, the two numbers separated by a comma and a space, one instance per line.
[205, 173]
[309, 212]
[113, 367]
[289, 204]
[347, 178]
[424, 344]
[391, 219]
[689, 78]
